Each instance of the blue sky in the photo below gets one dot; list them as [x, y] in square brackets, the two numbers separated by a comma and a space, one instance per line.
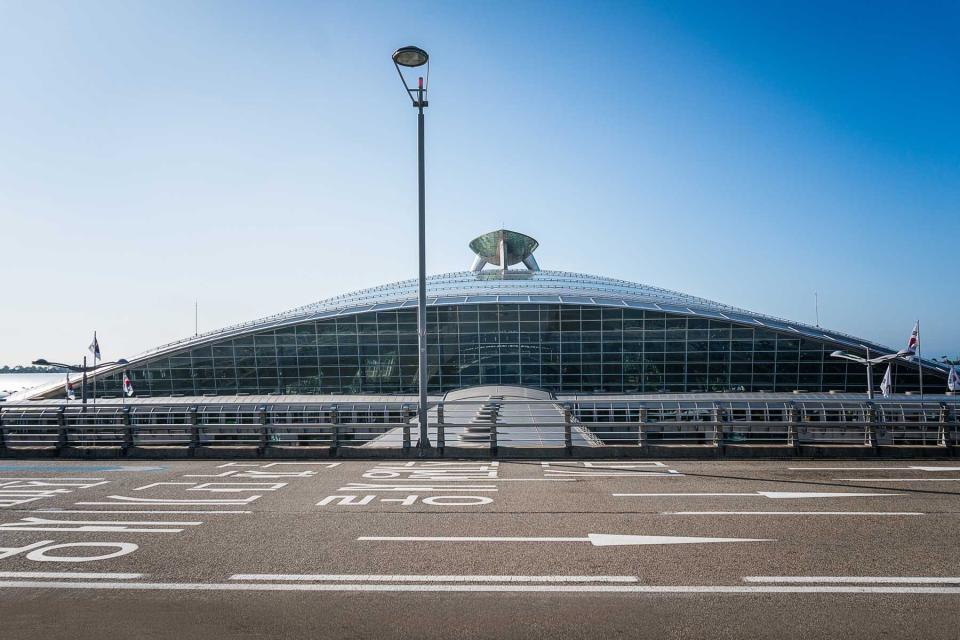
[261, 155]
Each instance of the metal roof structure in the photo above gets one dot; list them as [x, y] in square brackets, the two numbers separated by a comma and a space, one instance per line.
[523, 287]
[504, 287]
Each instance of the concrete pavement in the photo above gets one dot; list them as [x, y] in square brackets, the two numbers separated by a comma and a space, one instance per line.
[479, 549]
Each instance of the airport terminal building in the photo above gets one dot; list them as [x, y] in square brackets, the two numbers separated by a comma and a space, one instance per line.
[562, 332]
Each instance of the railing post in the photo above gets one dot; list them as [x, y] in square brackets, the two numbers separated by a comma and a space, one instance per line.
[493, 438]
[715, 418]
[334, 429]
[641, 421]
[943, 417]
[441, 437]
[408, 414]
[61, 430]
[3, 436]
[264, 430]
[127, 430]
[567, 429]
[870, 431]
[194, 430]
[792, 414]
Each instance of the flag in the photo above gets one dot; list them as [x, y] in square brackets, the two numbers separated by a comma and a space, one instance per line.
[68, 387]
[953, 380]
[886, 387]
[95, 347]
[127, 385]
[914, 342]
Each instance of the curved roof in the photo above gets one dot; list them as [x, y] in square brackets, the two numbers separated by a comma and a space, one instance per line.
[541, 287]
[524, 287]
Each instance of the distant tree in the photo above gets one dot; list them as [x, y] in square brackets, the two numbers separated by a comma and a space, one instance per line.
[19, 368]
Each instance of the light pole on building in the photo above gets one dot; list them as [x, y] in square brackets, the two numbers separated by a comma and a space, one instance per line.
[411, 58]
[868, 362]
[78, 368]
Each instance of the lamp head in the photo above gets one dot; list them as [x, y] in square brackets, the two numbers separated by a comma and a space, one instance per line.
[40, 362]
[410, 57]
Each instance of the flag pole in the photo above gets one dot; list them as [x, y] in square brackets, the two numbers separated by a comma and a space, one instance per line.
[95, 345]
[919, 361]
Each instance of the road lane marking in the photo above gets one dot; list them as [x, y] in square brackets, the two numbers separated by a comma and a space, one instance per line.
[95, 526]
[52, 510]
[78, 575]
[489, 588]
[912, 468]
[898, 479]
[852, 579]
[75, 468]
[764, 494]
[366, 486]
[596, 539]
[60, 479]
[791, 513]
[153, 502]
[424, 578]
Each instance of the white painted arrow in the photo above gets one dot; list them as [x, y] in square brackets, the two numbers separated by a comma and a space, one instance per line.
[596, 539]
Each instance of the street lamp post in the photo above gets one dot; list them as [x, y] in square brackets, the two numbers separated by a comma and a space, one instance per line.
[77, 368]
[869, 362]
[413, 57]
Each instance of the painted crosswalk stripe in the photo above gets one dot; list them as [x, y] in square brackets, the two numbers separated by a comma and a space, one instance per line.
[424, 578]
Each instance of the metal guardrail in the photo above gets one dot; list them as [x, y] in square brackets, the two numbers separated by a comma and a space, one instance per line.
[546, 424]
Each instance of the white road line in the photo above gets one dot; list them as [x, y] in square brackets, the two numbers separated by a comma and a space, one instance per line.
[473, 588]
[78, 575]
[602, 464]
[874, 468]
[657, 495]
[596, 539]
[852, 579]
[62, 479]
[791, 513]
[762, 494]
[155, 502]
[603, 474]
[363, 486]
[425, 578]
[898, 479]
[130, 511]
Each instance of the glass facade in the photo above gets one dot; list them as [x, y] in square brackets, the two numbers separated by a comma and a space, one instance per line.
[565, 348]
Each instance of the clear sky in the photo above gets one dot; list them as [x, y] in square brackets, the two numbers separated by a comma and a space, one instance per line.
[258, 156]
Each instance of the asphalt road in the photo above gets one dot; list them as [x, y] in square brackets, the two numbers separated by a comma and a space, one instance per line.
[474, 549]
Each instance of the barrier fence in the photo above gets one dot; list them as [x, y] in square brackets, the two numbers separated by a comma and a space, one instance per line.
[328, 428]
